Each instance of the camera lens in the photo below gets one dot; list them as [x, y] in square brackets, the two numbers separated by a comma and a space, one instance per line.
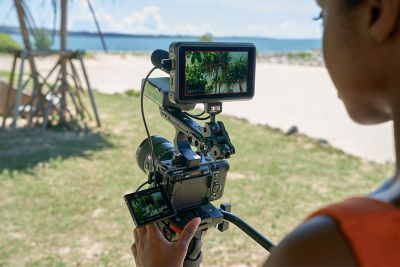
[163, 150]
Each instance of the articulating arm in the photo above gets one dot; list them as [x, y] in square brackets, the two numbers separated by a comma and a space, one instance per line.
[245, 227]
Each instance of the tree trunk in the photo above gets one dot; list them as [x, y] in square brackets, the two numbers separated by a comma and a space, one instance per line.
[216, 81]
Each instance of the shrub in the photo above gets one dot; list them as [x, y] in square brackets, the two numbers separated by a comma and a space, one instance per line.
[42, 40]
[206, 38]
[8, 43]
[300, 55]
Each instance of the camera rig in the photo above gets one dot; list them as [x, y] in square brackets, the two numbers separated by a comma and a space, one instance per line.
[211, 140]
[193, 178]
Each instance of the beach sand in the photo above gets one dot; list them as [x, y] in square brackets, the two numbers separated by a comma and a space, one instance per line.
[287, 95]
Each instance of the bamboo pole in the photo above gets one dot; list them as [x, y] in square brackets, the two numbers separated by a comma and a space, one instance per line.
[89, 88]
[63, 37]
[25, 33]
[19, 92]
[28, 48]
[9, 89]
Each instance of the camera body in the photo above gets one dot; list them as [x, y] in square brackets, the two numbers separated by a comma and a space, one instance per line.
[186, 187]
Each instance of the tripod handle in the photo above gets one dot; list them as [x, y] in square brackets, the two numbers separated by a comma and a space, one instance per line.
[249, 230]
[194, 257]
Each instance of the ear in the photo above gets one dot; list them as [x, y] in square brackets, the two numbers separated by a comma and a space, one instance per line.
[385, 17]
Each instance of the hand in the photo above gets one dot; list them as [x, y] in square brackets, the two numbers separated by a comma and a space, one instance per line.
[151, 249]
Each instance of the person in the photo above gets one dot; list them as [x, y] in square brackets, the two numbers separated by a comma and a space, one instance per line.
[361, 45]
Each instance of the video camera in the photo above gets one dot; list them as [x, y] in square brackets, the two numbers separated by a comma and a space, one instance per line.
[186, 175]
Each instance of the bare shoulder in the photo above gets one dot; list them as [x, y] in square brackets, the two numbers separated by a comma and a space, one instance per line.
[318, 242]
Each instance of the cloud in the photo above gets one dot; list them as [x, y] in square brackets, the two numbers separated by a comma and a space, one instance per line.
[260, 6]
[287, 29]
[147, 20]
[265, 18]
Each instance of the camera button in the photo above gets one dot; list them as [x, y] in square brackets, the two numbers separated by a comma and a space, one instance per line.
[216, 188]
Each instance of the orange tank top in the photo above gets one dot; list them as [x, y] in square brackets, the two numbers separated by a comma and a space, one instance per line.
[371, 227]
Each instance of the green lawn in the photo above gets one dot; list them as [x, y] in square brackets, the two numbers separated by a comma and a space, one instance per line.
[61, 192]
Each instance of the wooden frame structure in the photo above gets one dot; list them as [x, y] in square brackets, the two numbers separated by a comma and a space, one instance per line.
[45, 104]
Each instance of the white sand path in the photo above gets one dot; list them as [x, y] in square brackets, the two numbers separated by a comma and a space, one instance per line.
[285, 96]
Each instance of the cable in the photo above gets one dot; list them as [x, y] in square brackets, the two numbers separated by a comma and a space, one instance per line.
[202, 113]
[141, 186]
[197, 117]
[145, 123]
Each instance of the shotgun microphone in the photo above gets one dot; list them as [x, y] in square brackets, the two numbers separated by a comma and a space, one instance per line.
[157, 58]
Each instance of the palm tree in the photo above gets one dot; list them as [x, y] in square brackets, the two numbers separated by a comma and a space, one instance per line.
[236, 73]
[216, 64]
[240, 72]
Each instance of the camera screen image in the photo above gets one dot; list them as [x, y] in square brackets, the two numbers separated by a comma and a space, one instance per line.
[148, 206]
[216, 72]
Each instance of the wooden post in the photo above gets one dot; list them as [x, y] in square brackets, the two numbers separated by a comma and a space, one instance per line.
[96, 114]
[25, 32]
[37, 91]
[63, 37]
[9, 90]
[19, 91]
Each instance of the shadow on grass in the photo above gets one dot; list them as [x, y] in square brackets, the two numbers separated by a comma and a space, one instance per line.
[24, 149]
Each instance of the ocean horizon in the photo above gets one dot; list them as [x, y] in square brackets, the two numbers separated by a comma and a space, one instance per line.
[131, 43]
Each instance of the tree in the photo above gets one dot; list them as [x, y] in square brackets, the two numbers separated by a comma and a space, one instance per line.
[215, 64]
[209, 72]
[237, 73]
[195, 80]
[208, 37]
[42, 40]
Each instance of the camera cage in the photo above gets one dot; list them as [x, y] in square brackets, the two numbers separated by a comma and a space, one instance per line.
[212, 138]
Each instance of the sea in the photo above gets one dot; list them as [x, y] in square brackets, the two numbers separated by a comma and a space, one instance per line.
[129, 43]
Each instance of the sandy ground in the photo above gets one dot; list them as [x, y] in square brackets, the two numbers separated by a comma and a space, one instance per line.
[286, 96]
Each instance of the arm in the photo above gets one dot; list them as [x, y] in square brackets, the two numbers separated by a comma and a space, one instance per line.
[317, 242]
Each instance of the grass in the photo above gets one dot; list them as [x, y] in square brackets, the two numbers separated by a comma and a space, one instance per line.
[61, 201]
[6, 78]
[5, 74]
[300, 55]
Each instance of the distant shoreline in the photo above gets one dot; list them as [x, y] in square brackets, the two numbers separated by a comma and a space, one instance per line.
[15, 30]
[122, 43]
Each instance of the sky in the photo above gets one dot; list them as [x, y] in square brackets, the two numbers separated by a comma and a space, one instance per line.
[254, 18]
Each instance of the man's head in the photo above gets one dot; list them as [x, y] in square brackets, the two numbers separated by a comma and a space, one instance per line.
[362, 54]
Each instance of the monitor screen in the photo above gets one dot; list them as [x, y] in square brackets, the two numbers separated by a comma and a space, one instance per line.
[216, 72]
[149, 205]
